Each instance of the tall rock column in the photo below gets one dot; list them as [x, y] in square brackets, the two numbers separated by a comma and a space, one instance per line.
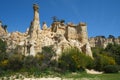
[82, 33]
[35, 24]
[83, 38]
[34, 31]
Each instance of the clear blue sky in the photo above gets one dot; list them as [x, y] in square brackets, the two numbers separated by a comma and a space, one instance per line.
[102, 16]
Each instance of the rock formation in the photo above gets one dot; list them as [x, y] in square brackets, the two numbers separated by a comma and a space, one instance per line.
[101, 41]
[3, 31]
[44, 27]
[60, 36]
[35, 24]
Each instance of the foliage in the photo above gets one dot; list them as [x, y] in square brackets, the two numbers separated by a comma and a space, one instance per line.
[15, 62]
[114, 51]
[4, 27]
[97, 50]
[118, 37]
[3, 46]
[104, 57]
[111, 69]
[48, 53]
[55, 19]
[102, 60]
[30, 62]
[62, 21]
[111, 36]
[72, 59]
[3, 55]
[101, 36]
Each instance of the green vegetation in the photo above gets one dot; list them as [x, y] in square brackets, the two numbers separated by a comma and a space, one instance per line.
[108, 56]
[111, 69]
[71, 60]
[113, 50]
[2, 46]
[84, 76]
[101, 60]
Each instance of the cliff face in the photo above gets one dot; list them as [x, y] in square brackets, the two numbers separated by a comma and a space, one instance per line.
[101, 41]
[60, 36]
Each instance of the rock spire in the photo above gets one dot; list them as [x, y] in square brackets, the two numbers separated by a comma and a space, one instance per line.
[35, 24]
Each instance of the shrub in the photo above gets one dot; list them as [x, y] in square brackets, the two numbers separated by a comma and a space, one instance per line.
[111, 69]
[103, 60]
[15, 62]
[3, 60]
[72, 59]
[114, 51]
[3, 46]
[30, 63]
[4, 64]
[48, 54]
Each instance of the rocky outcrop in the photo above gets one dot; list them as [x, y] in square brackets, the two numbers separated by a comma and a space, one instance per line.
[3, 31]
[44, 27]
[60, 36]
[101, 41]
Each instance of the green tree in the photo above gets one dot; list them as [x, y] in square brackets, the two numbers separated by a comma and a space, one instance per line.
[111, 36]
[114, 51]
[55, 19]
[102, 60]
[62, 21]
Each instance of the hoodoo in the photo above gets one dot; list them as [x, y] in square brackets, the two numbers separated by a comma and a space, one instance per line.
[59, 36]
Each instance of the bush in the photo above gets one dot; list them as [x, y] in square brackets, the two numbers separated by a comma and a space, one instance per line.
[15, 62]
[72, 59]
[3, 46]
[114, 51]
[111, 69]
[102, 60]
[30, 62]
[48, 54]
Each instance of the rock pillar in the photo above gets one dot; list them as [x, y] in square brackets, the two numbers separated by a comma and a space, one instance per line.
[44, 27]
[34, 31]
[83, 38]
[82, 33]
[35, 24]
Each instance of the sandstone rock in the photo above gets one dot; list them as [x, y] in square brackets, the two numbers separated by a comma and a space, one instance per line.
[44, 27]
[35, 24]
[2, 30]
[100, 41]
[60, 36]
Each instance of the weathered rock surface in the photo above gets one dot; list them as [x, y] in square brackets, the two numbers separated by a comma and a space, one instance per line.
[100, 41]
[3, 31]
[60, 36]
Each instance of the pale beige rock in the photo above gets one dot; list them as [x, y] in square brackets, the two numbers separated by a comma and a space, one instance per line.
[100, 41]
[2, 30]
[60, 36]
[44, 27]
[35, 24]
[93, 71]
